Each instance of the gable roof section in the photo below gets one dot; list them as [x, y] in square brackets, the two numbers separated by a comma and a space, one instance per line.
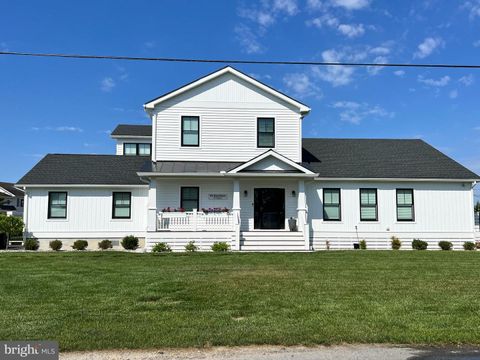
[9, 189]
[304, 109]
[126, 130]
[66, 169]
[265, 155]
[380, 159]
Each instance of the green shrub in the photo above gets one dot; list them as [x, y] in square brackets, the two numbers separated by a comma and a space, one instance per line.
[220, 246]
[418, 244]
[80, 244]
[161, 248]
[396, 243]
[31, 244]
[56, 245]
[445, 245]
[468, 245]
[191, 247]
[363, 244]
[130, 242]
[105, 244]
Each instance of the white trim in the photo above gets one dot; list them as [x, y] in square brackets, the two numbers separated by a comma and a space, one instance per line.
[396, 180]
[275, 155]
[130, 137]
[226, 175]
[6, 192]
[80, 186]
[301, 107]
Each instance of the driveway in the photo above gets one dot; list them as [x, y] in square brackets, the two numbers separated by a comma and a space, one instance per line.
[346, 352]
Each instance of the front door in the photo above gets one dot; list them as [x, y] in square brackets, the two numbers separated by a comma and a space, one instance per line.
[269, 208]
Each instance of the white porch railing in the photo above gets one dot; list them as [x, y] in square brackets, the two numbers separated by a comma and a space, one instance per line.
[195, 221]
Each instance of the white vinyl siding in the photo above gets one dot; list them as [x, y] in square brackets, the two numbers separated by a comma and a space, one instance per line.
[228, 109]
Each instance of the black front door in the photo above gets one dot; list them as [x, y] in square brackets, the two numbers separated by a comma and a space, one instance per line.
[269, 208]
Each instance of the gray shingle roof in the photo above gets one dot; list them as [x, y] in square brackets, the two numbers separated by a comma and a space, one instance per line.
[59, 169]
[10, 187]
[132, 130]
[192, 166]
[380, 158]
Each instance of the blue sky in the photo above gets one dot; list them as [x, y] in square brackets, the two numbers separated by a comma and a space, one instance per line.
[69, 106]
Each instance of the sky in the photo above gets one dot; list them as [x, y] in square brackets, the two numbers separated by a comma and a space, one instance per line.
[70, 106]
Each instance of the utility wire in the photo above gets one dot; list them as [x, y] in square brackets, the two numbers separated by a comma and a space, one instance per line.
[227, 61]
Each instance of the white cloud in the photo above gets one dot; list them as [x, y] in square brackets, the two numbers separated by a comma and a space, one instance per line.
[67, 128]
[324, 20]
[248, 39]
[453, 94]
[301, 85]
[443, 81]
[374, 70]
[336, 75]
[428, 46]
[354, 112]
[467, 80]
[150, 44]
[473, 7]
[399, 73]
[288, 6]
[351, 4]
[107, 84]
[380, 50]
[315, 4]
[351, 30]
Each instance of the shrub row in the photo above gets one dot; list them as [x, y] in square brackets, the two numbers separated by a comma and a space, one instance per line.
[418, 244]
[220, 246]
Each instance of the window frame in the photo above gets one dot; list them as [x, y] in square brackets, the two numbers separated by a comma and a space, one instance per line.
[182, 129]
[137, 149]
[376, 203]
[405, 206]
[129, 205]
[339, 204]
[181, 196]
[49, 205]
[258, 133]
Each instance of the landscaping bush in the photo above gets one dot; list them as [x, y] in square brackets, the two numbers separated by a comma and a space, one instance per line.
[418, 244]
[220, 246]
[161, 248]
[191, 247]
[445, 245]
[130, 242]
[80, 244]
[56, 245]
[105, 244]
[468, 245]
[396, 243]
[31, 244]
[363, 244]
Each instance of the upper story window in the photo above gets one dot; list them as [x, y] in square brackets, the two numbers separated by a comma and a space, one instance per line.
[265, 132]
[405, 210]
[190, 131]
[133, 149]
[57, 205]
[331, 205]
[368, 205]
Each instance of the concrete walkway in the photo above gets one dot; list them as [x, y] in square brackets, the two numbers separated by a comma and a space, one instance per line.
[346, 352]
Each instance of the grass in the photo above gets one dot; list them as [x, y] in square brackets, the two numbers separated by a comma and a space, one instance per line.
[105, 300]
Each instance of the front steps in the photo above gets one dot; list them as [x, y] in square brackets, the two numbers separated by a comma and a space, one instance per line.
[272, 241]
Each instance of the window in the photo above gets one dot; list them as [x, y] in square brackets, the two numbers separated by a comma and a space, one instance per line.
[368, 205]
[331, 205]
[405, 210]
[122, 202]
[57, 205]
[265, 132]
[190, 130]
[189, 198]
[133, 149]
[129, 149]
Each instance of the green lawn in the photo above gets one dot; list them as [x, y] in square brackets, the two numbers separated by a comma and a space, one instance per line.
[98, 300]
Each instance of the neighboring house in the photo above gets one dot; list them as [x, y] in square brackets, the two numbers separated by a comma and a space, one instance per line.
[224, 160]
[11, 199]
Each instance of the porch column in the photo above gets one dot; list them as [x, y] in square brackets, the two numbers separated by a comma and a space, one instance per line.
[236, 214]
[152, 206]
[302, 211]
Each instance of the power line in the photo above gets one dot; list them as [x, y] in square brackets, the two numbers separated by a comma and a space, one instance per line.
[228, 61]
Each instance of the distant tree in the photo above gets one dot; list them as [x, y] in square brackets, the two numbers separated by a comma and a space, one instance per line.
[11, 225]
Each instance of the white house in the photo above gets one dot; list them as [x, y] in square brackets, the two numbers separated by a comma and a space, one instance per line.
[11, 199]
[224, 160]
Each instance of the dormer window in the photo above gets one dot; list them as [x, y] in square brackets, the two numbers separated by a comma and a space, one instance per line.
[134, 149]
[266, 132]
[190, 130]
